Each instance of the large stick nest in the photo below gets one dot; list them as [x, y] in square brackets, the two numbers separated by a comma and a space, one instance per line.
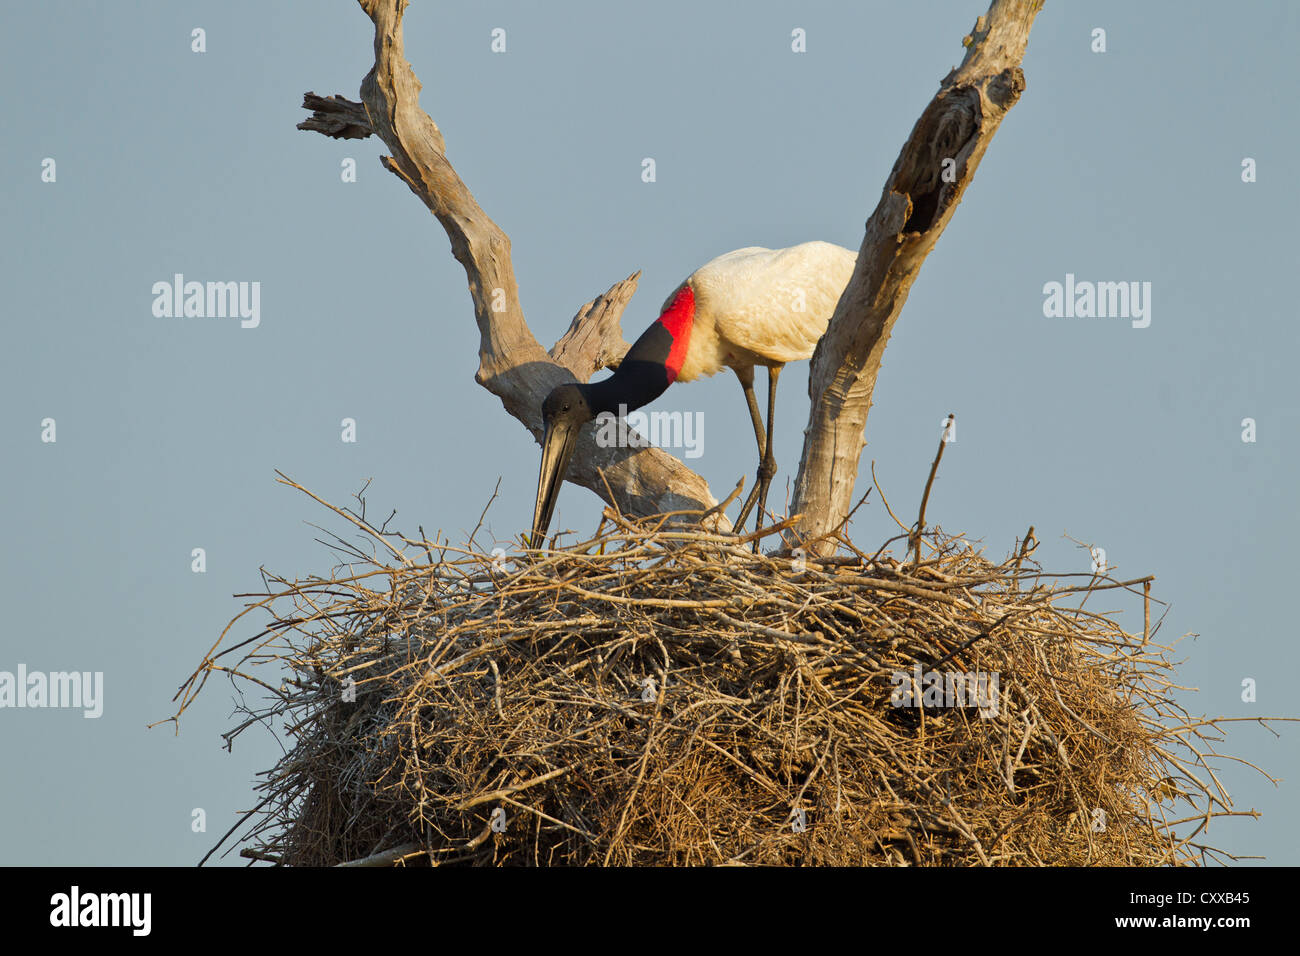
[656, 696]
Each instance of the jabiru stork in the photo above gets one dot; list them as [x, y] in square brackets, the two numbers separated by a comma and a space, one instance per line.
[753, 306]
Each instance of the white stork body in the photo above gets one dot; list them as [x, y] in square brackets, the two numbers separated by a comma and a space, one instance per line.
[757, 306]
[749, 307]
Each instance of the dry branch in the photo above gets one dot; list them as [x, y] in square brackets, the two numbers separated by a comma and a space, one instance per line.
[918, 200]
[594, 340]
[919, 528]
[512, 364]
[336, 117]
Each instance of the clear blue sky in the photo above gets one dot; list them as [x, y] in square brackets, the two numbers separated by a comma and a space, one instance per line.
[1115, 166]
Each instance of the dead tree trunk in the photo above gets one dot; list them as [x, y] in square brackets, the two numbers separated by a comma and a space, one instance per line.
[934, 168]
[917, 203]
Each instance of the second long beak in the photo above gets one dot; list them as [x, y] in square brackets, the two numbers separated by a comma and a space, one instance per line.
[557, 448]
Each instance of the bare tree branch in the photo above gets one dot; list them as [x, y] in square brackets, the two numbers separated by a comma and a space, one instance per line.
[512, 364]
[932, 172]
[336, 117]
[594, 340]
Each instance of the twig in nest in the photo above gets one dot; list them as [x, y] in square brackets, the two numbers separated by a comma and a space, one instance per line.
[724, 504]
[919, 527]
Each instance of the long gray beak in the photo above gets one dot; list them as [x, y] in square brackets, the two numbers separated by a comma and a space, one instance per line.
[557, 448]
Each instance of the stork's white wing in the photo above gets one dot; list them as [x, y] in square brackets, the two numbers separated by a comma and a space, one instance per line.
[774, 303]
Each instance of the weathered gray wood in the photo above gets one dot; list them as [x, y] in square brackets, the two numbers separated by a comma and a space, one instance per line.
[336, 117]
[594, 341]
[913, 211]
[512, 364]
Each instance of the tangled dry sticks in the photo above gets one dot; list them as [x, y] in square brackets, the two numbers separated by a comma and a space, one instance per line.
[663, 696]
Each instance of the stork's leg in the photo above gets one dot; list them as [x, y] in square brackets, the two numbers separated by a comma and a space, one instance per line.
[768, 468]
[766, 459]
[746, 376]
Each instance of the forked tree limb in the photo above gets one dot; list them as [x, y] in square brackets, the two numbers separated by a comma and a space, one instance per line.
[512, 364]
[918, 200]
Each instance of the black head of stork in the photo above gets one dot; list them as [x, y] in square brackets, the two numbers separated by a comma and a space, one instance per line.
[642, 375]
[749, 307]
[564, 413]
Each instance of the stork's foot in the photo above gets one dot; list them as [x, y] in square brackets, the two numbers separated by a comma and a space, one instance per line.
[765, 473]
[757, 496]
